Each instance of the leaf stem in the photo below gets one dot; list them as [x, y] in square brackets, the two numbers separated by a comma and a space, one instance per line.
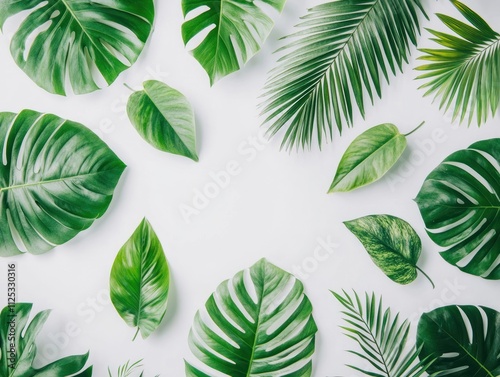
[138, 329]
[420, 125]
[427, 276]
[128, 86]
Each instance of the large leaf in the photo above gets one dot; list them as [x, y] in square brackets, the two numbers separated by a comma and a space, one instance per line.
[465, 340]
[259, 323]
[16, 332]
[164, 118]
[382, 339]
[460, 204]
[56, 179]
[465, 71]
[392, 243]
[140, 280]
[60, 39]
[236, 30]
[341, 50]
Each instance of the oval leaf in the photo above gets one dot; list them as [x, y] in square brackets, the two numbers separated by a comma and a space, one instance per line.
[56, 179]
[392, 243]
[369, 157]
[259, 323]
[164, 118]
[140, 281]
[73, 38]
[465, 340]
[460, 204]
[236, 31]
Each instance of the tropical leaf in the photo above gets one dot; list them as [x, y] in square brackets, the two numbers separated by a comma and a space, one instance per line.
[337, 57]
[164, 118]
[465, 71]
[59, 39]
[464, 340]
[19, 335]
[259, 323]
[140, 281]
[392, 243]
[127, 369]
[236, 30]
[369, 157]
[381, 337]
[460, 204]
[56, 179]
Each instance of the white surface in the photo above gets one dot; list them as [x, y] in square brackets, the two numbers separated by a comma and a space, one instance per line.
[276, 207]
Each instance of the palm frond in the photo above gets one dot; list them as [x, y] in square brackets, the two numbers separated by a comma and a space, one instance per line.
[382, 338]
[466, 72]
[127, 369]
[337, 57]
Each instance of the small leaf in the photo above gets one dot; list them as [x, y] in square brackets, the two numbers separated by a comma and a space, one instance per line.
[164, 118]
[392, 243]
[369, 157]
[140, 280]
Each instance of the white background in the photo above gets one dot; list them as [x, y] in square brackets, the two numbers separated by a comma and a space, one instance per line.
[276, 207]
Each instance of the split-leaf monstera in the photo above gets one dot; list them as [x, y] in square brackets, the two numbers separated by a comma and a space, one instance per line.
[74, 39]
[259, 323]
[56, 179]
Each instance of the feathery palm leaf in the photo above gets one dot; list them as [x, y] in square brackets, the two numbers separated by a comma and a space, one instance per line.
[338, 56]
[466, 72]
[126, 369]
[381, 338]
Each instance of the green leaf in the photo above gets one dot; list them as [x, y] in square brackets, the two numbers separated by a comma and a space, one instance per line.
[164, 118]
[73, 38]
[236, 30]
[464, 71]
[333, 62]
[140, 281]
[16, 331]
[460, 204]
[259, 323]
[465, 340]
[381, 337]
[56, 179]
[392, 243]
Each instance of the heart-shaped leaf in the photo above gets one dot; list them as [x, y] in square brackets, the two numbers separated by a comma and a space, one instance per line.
[140, 281]
[392, 243]
[164, 118]
[56, 179]
[259, 323]
[17, 335]
[59, 39]
[465, 340]
[460, 204]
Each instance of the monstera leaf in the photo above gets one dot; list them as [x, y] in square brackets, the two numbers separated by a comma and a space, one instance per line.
[56, 179]
[236, 31]
[460, 204]
[18, 348]
[465, 340]
[258, 323]
[59, 39]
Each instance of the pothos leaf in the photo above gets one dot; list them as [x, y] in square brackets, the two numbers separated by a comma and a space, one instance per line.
[392, 243]
[140, 280]
[164, 118]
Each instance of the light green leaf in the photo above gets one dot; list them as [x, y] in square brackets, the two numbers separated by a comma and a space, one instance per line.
[164, 118]
[15, 329]
[392, 243]
[460, 204]
[140, 281]
[236, 30]
[59, 39]
[259, 323]
[465, 340]
[369, 157]
[464, 71]
[333, 62]
[56, 179]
